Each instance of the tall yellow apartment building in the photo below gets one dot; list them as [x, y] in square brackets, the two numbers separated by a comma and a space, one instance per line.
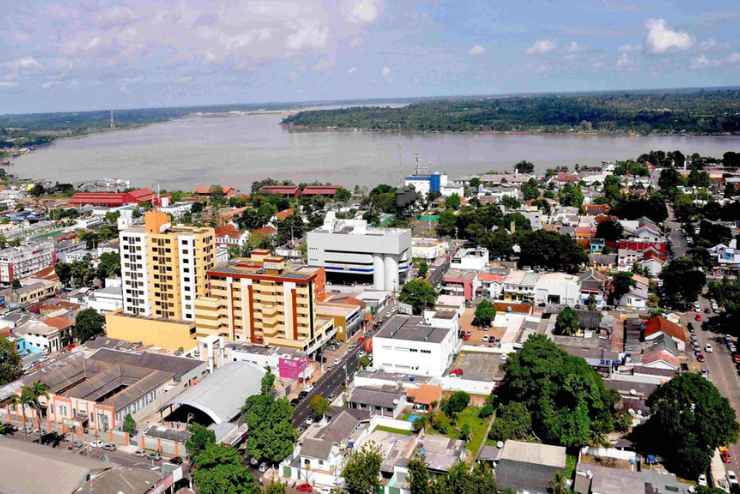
[164, 267]
[262, 299]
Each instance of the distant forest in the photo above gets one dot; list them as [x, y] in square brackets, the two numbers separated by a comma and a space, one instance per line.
[707, 111]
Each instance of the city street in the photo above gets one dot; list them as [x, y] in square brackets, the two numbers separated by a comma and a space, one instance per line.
[331, 383]
[678, 243]
[721, 370]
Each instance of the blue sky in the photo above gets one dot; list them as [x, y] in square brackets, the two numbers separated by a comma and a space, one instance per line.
[97, 54]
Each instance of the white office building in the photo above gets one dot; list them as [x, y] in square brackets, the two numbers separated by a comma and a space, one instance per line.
[20, 262]
[470, 259]
[409, 345]
[352, 247]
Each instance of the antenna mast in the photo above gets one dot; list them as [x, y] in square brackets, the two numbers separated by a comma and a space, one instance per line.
[112, 120]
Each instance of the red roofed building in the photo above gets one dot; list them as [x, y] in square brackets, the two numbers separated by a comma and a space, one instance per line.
[320, 190]
[596, 209]
[205, 190]
[268, 230]
[567, 178]
[112, 199]
[657, 326]
[460, 283]
[284, 214]
[281, 190]
[229, 235]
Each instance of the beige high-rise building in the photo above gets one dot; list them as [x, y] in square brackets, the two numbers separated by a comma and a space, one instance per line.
[264, 300]
[163, 267]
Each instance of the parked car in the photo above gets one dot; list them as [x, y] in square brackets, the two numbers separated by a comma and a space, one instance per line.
[176, 460]
[154, 456]
[708, 348]
[263, 467]
[97, 444]
[731, 478]
[724, 453]
[109, 447]
[697, 317]
[308, 388]
[736, 358]
[302, 395]
[700, 357]
[140, 452]
[697, 306]
[309, 420]
[702, 480]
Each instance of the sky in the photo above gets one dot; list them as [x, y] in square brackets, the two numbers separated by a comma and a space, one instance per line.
[74, 55]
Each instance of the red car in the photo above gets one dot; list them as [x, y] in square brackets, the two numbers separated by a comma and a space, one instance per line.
[724, 453]
[700, 357]
[736, 358]
[456, 372]
[697, 317]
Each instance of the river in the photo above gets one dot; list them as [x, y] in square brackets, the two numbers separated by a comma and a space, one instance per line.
[238, 149]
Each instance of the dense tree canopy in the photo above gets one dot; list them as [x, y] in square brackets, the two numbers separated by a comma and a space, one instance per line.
[513, 421]
[566, 398]
[271, 432]
[609, 230]
[632, 208]
[362, 471]
[551, 251]
[682, 282]
[220, 471]
[418, 293]
[88, 324]
[567, 323]
[459, 480]
[688, 420]
[10, 362]
[485, 313]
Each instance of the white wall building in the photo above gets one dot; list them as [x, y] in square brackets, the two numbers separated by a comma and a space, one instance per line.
[557, 288]
[424, 184]
[20, 262]
[470, 259]
[352, 247]
[406, 344]
[108, 299]
[428, 249]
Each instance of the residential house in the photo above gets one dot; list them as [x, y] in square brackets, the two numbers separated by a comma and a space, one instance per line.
[657, 325]
[528, 467]
[384, 401]
[229, 235]
[465, 283]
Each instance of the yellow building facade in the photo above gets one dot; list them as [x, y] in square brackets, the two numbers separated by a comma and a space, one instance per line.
[163, 267]
[166, 334]
[264, 300]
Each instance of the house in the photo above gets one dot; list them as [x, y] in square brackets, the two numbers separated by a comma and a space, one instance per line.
[205, 190]
[465, 283]
[492, 284]
[230, 236]
[528, 467]
[425, 397]
[384, 401]
[593, 478]
[603, 262]
[320, 190]
[636, 298]
[657, 325]
[44, 336]
[726, 256]
[662, 354]
[281, 190]
[593, 284]
[112, 199]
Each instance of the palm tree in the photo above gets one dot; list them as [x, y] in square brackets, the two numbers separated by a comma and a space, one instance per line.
[22, 400]
[36, 391]
[557, 484]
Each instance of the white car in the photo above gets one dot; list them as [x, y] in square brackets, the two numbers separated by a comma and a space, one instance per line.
[97, 444]
[702, 480]
[731, 478]
[708, 348]
[697, 306]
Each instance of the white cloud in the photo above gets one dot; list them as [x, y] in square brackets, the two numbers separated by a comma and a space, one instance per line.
[540, 47]
[386, 73]
[574, 47]
[661, 38]
[191, 35]
[477, 50]
[8, 84]
[364, 11]
[629, 48]
[702, 61]
[625, 61]
[352, 70]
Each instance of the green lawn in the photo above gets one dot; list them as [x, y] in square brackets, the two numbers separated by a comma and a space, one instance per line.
[395, 431]
[477, 426]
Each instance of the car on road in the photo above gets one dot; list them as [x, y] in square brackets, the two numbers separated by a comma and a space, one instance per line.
[263, 467]
[97, 444]
[140, 452]
[302, 395]
[736, 358]
[109, 447]
[697, 317]
[705, 372]
[708, 348]
[724, 453]
[697, 306]
[700, 357]
[176, 460]
[154, 456]
[702, 480]
[336, 361]
[308, 388]
[731, 478]
[309, 420]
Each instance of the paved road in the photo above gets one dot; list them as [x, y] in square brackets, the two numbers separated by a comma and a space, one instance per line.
[331, 383]
[721, 372]
[679, 247]
[115, 457]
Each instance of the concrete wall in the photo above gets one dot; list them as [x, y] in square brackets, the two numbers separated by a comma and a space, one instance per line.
[169, 335]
